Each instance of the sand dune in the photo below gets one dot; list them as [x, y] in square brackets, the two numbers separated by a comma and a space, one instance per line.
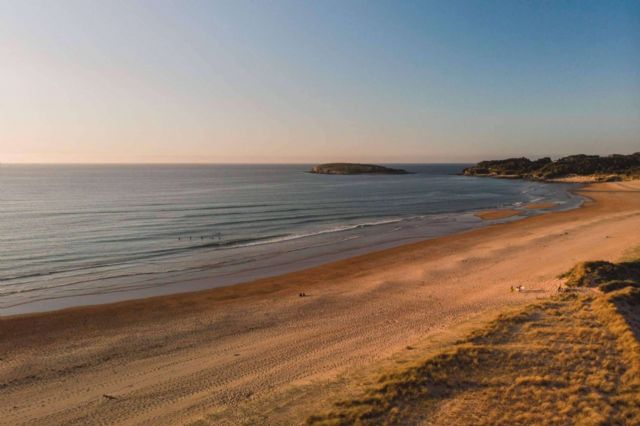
[572, 359]
[258, 353]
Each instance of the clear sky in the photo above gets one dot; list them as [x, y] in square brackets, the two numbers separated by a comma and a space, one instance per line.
[300, 81]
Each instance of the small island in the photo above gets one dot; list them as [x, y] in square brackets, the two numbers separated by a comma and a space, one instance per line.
[574, 168]
[355, 169]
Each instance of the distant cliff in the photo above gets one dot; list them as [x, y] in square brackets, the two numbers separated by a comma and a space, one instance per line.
[612, 167]
[355, 169]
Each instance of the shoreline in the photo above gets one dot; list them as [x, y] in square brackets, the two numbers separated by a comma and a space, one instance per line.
[247, 353]
[199, 280]
[497, 216]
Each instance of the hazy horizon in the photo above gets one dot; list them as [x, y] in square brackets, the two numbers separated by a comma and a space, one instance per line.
[275, 163]
[296, 82]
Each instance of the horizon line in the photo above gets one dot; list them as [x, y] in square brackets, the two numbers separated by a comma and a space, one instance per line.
[217, 163]
[191, 163]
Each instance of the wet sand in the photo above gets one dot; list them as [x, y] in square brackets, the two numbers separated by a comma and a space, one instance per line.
[257, 353]
[498, 214]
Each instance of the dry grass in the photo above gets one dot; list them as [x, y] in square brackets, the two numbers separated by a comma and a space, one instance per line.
[599, 273]
[574, 359]
[633, 254]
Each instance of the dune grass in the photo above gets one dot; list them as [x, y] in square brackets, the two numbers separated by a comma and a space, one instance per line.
[631, 255]
[573, 359]
[600, 273]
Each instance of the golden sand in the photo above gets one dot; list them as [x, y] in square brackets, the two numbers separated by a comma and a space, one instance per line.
[257, 353]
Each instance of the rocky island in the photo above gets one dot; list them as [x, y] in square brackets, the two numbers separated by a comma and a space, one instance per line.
[572, 168]
[355, 169]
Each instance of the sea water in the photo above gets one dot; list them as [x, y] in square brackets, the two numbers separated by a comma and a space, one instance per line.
[82, 234]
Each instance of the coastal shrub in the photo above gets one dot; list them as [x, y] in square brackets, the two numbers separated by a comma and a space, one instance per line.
[608, 168]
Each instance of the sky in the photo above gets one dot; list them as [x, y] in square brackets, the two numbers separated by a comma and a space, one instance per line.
[307, 82]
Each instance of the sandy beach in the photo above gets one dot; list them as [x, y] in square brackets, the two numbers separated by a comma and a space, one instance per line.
[258, 353]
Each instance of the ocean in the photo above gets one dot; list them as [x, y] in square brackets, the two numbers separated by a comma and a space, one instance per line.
[83, 234]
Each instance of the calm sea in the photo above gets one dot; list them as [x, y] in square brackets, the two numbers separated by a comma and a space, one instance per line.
[74, 235]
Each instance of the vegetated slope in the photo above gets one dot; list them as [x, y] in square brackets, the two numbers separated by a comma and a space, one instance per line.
[354, 169]
[574, 359]
[606, 168]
